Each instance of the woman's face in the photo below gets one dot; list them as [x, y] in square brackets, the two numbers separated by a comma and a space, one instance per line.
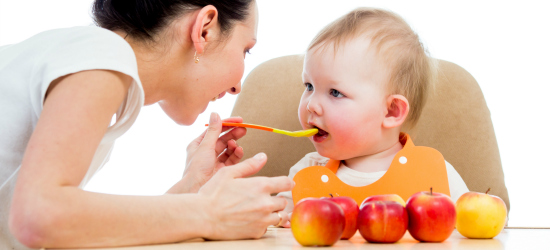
[219, 71]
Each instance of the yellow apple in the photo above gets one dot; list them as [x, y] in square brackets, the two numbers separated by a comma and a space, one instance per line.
[480, 215]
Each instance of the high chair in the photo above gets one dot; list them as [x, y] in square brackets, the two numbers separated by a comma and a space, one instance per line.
[455, 121]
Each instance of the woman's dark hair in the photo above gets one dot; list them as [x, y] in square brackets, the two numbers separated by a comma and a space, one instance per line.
[142, 19]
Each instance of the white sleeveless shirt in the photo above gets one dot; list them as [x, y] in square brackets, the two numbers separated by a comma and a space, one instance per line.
[26, 71]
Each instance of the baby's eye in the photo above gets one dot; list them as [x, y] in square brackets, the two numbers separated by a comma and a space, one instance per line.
[309, 86]
[336, 93]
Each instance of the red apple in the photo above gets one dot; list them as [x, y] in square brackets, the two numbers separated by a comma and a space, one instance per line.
[432, 216]
[317, 222]
[480, 215]
[384, 197]
[382, 221]
[350, 213]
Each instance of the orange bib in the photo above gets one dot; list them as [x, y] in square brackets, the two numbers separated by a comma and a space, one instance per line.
[413, 169]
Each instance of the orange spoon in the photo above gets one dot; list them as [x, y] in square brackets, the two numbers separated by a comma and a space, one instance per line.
[299, 133]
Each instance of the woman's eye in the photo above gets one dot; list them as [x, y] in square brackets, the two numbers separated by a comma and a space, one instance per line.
[309, 86]
[246, 52]
[336, 93]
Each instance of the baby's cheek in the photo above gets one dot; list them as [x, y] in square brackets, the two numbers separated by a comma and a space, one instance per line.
[302, 114]
[342, 130]
[351, 135]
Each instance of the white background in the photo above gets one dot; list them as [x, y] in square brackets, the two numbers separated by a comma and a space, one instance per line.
[503, 44]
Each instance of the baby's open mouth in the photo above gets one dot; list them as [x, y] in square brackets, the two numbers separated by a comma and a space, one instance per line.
[321, 132]
[320, 136]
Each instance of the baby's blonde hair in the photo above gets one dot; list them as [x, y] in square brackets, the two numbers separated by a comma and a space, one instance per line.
[412, 71]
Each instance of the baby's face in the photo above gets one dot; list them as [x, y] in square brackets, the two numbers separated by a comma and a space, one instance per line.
[345, 97]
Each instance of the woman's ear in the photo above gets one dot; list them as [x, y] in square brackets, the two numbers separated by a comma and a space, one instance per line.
[397, 111]
[204, 28]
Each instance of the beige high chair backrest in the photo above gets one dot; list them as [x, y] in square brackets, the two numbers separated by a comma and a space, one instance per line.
[455, 121]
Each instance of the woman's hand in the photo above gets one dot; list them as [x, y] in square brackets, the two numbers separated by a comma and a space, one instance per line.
[209, 152]
[239, 208]
[287, 223]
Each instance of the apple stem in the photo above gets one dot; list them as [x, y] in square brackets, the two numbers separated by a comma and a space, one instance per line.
[488, 190]
[431, 193]
[331, 195]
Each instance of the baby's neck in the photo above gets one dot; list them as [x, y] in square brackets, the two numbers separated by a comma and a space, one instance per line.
[380, 161]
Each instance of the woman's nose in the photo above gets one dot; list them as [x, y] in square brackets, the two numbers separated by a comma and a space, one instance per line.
[235, 90]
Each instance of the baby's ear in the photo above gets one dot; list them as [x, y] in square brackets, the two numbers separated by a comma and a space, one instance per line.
[397, 110]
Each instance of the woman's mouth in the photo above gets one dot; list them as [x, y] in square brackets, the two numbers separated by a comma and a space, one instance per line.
[218, 97]
[320, 136]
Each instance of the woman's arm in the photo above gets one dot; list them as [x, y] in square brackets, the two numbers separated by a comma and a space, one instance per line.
[49, 210]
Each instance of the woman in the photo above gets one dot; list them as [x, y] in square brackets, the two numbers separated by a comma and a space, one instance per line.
[58, 93]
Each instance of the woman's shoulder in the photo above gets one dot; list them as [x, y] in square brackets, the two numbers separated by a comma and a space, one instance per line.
[80, 34]
[74, 45]
[33, 64]
[64, 51]
[91, 41]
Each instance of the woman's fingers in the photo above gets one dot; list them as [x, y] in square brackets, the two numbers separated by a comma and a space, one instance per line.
[235, 134]
[244, 206]
[232, 155]
[279, 218]
[214, 120]
[278, 184]
[236, 119]
[287, 223]
[236, 157]
[249, 166]
[279, 203]
[231, 146]
[209, 137]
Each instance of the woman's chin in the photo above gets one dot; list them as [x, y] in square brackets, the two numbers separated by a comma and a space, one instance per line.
[180, 115]
[185, 120]
[205, 107]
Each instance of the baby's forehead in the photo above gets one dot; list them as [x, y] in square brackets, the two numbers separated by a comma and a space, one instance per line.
[355, 52]
[359, 46]
[353, 62]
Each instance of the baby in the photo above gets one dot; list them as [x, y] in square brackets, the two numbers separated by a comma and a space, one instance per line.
[366, 77]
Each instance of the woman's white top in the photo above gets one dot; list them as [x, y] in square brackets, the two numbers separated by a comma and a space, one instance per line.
[26, 71]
